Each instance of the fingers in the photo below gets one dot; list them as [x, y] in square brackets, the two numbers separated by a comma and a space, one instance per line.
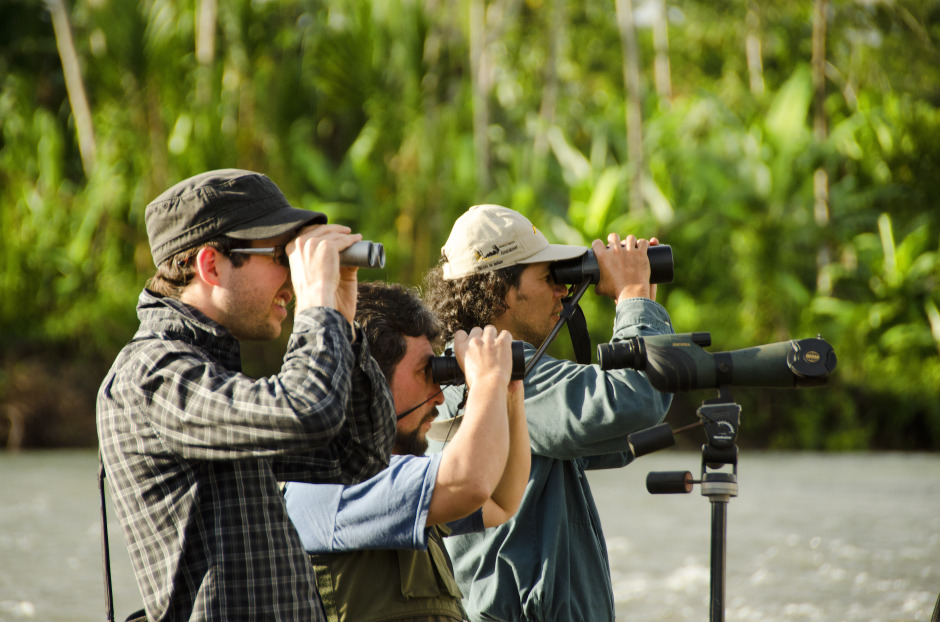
[315, 268]
[624, 267]
[629, 243]
[332, 237]
[484, 352]
[460, 346]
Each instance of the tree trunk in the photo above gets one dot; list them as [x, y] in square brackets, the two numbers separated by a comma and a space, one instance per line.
[481, 84]
[661, 45]
[820, 132]
[206, 18]
[557, 38]
[634, 114]
[74, 85]
[752, 46]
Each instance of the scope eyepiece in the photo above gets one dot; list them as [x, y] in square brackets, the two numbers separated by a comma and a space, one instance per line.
[364, 254]
[574, 271]
[445, 370]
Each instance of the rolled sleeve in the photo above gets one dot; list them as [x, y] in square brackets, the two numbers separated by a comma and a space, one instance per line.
[387, 511]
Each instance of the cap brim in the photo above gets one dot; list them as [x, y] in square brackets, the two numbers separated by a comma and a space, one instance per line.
[443, 430]
[555, 252]
[276, 223]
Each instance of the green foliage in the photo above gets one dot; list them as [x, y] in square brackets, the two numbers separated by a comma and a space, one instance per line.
[366, 110]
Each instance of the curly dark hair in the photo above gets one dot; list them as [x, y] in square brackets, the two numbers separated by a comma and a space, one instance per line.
[470, 301]
[175, 273]
[387, 313]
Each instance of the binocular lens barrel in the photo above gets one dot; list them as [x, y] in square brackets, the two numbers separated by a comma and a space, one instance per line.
[573, 271]
[364, 254]
[445, 370]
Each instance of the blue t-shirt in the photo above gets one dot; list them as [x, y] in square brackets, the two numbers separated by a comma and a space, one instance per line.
[387, 511]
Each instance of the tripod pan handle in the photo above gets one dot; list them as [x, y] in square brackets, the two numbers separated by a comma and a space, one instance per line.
[669, 482]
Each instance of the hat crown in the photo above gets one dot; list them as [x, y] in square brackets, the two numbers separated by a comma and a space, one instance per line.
[238, 203]
[490, 237]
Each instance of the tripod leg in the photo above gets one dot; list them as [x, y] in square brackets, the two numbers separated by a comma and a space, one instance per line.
[719, 532]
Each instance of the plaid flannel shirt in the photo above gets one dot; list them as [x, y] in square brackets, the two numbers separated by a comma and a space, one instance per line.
[193, 450]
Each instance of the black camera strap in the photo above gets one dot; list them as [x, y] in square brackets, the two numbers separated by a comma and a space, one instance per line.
[578, 331]
[105, 552]
[137, 616]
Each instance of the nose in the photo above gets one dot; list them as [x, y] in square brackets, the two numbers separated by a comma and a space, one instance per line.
[559, 290]
[438, 398]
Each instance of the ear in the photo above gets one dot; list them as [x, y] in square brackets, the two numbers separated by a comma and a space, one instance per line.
[209, 264]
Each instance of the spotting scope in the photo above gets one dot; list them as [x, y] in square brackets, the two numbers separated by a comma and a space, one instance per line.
[675, 363]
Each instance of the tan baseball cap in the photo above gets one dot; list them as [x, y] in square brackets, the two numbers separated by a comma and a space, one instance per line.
[489, 237]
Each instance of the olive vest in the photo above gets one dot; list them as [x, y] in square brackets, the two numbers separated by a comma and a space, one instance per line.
[383, 585]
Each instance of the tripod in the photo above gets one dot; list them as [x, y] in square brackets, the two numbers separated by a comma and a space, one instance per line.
[721, 418]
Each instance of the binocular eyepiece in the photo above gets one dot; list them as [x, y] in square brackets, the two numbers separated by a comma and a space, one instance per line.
[445, 370]
[363, 254]
[574, 271]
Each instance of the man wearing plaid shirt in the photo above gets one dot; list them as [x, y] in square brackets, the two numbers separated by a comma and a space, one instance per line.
[192, 447]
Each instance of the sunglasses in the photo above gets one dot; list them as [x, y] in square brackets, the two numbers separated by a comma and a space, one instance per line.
[278, 253]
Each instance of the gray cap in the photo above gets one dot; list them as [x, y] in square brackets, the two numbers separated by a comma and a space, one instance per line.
[239, 204]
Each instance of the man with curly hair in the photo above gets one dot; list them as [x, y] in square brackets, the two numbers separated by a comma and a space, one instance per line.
[549, 562]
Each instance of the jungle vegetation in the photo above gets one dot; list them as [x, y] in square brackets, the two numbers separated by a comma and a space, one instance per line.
[789, 152]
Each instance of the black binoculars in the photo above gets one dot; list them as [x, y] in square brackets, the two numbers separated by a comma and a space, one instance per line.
[445, 370]
[574, 271]
[363, 254]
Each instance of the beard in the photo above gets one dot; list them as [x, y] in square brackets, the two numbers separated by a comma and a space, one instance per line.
[411, 443]
[414, 443]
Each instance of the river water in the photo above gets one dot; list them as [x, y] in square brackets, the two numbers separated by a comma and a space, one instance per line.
[810, 537]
